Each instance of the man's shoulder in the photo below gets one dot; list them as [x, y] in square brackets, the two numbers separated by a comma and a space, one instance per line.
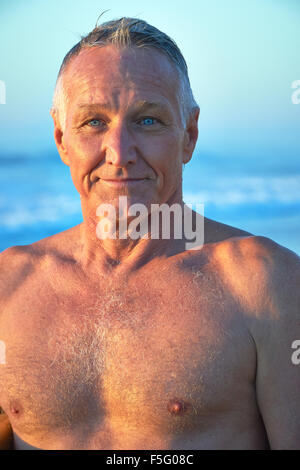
[61, 243]
[18, 263]
[264, 256]
[244, 250]
[237, 249]
[15, 259]
[15, 266]
[247, 263]
[258, 259]
[264, 276]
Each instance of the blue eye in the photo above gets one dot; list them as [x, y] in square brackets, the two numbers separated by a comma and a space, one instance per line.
[94, 121]
[148, 121]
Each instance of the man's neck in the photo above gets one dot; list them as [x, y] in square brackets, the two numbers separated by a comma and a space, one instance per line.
[125, 254]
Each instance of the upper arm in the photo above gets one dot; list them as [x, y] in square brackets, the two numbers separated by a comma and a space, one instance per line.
[274, 330]
[15, 266]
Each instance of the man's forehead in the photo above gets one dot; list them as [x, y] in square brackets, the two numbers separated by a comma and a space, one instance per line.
[128, 63]
[99, 77]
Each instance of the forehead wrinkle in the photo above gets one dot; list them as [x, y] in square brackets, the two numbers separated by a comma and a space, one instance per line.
[140, 105]
[135, 80]
[112, 105]
[125, 70]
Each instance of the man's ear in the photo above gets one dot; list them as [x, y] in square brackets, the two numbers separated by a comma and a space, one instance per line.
[191, 135]
[59, 138]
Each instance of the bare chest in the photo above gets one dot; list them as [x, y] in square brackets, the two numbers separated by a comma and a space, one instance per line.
[169, 358]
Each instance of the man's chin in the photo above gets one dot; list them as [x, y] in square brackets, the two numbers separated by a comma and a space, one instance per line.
[121, 198]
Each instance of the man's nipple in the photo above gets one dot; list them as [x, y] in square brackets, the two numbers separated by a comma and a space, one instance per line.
[15, 408]
[177, 406]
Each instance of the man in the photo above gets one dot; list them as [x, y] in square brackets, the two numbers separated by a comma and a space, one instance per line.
[138, 343]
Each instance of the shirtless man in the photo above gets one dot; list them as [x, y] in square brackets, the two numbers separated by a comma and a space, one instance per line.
[142, 344]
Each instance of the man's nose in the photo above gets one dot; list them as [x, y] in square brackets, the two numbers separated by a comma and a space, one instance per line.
[119, 145]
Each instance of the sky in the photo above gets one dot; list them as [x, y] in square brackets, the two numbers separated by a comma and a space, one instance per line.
[243, 58]
[242, 55]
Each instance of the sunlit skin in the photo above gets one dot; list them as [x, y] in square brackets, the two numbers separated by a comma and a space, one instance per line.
[141, 344]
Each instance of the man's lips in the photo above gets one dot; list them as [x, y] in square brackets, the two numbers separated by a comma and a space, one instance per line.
[122, 181]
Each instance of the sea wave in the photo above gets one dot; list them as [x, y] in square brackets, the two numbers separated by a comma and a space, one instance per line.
[246, 190]
[232, 193]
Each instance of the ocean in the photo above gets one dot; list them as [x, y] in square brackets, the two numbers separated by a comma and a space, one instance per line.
[38, 199]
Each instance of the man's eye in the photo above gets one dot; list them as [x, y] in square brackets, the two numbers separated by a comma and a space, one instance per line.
[94, 123]
[148, 121]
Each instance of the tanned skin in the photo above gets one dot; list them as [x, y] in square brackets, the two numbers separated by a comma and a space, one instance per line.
[142, 344]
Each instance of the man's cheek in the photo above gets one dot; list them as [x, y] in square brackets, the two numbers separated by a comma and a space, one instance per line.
[83, 157]
[81, 179]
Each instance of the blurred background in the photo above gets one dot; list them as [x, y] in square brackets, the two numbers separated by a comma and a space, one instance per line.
[243, 57]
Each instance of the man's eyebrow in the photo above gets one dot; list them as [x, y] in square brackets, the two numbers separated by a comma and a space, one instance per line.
[145, 105]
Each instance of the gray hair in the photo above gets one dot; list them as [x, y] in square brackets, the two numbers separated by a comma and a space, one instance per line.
[128, 32]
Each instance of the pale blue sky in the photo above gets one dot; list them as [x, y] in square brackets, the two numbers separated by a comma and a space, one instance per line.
[242, 56]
